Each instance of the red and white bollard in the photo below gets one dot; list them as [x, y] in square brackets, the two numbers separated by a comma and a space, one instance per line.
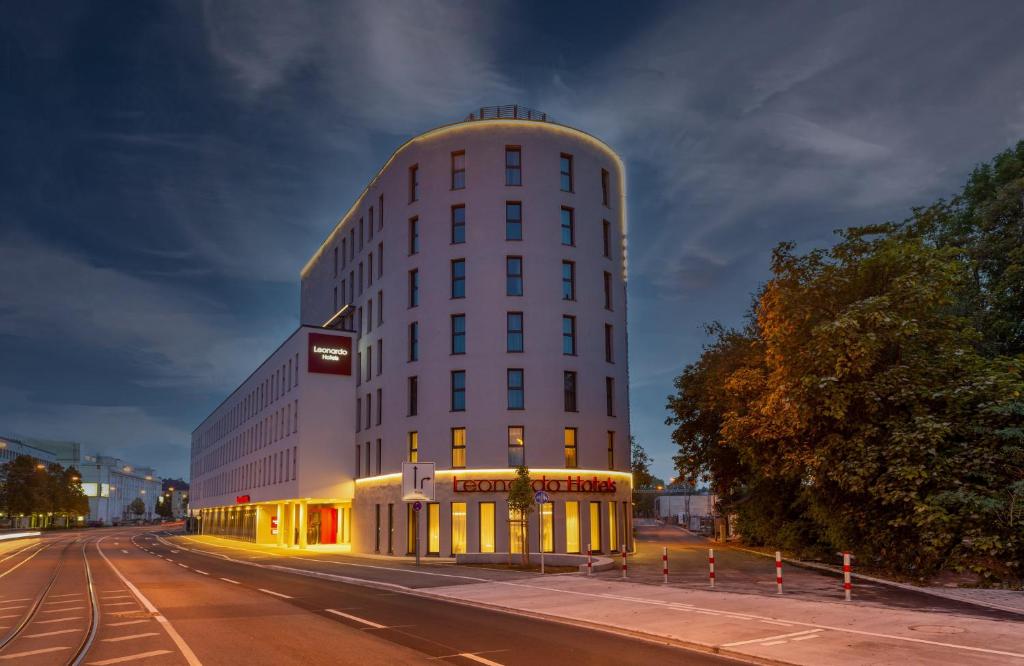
[664, 564]
[778, 571]
[623, 561]
[711, 566]
[590, 561]
[847, 585]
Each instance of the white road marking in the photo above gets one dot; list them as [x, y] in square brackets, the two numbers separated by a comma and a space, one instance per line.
[175, 552]
[54, 603]
[56, 596]
[18, 655]
[63, 610]
[53, 633]
[226, 580]
[7, 617]
[131, 657]
[129, 638]
[774, 643]
[22, 562]
[781, 624]
[125, 623]
[276, 594]
[60, 619]
[804, 638]
[478, 658]
[9, 601]
[184, 566]
[357, 619]
[7, 608]
[771, 638]
[115, 595]
[123, 550]
[201, 572]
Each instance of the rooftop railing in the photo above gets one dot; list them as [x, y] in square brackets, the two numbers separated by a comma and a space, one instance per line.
[511, 111]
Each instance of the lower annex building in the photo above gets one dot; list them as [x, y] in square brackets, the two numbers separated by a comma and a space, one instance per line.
[480, 324]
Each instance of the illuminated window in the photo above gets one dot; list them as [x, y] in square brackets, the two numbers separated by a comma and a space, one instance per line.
[458, 448]
[569, 438]
[459, 170]
[487, 527]
[458, 278]
[547, 527]
[572, 527]
[565, 169]
[568, 335]
[458, 391]
[613, 525]
[516, 531]
[516, 446]
[595, 526]
[568, 227]
[458, 224]
[433, 528]
[513, 276]
[514, 332]
[458, 527]
[513, 221]
[414, 446]
[513, 165]
[459, 334]
[516, 391]
[411, 518]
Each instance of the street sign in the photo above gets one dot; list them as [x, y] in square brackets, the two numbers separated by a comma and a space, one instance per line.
[417, 481]
[417, 505]
[540, 497]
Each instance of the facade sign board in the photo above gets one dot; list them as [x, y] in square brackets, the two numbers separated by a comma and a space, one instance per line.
[330, 354]
[417, 481]
[568, 484]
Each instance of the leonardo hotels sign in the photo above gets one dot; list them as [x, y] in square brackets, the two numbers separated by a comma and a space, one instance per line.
[330, 354]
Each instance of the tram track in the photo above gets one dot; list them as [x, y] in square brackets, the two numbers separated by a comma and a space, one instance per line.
[33, 611]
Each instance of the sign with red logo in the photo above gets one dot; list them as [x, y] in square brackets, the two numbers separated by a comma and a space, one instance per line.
[569, 484]
[273, 524]
[241, 499]
[330, 354]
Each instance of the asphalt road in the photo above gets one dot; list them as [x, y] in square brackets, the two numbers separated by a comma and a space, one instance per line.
[152, 601]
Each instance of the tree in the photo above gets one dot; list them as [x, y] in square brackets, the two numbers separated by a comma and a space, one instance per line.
[163, 506]
[643, 503]
[23, 490]
[520, 504]
[137, 507]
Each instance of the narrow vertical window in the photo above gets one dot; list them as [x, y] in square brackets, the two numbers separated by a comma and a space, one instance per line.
[458, 224]
[458, 390]
[414, 288]
[351, 286]
[414, 341]
[569, 390]
[568, 226]
[369, 412]
[458, 278]
[369, 315]
[459, 334]
[513, 221]
[380, 307]
[609, 395]
[458, 527]
[607, 290]
[380, 259]
[335, 261]
[459, 170]
[458, 448]
[380, 453]
[569, 335]
[568, 281]
[380, 212]
[513, 276]
[613, 531]
[369, 269]
[414, 396]
[380, 356]
[565, 168]
[362, 233]
[359, 460]
[352, 243]
[608, 340]
[606, 237]
[360, 278]
[516, 446]
[414, 235]
[335, 299]
[414, 446]
[605, 188]
[370, 228]
[513, 165]
[595, 527]
[514, 332]
[434, 528]
[516, 393]
[414, 183]
[344, 251]
[547, 527]
[569, 439]
[487, 527]
[380, 409]
[572, 526]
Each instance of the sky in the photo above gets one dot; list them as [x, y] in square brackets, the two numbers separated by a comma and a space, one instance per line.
[168, 167]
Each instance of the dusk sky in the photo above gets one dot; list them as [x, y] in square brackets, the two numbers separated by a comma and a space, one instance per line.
[168, 168]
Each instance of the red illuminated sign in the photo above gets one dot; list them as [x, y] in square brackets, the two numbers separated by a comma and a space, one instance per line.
[330, 354]
[569, 484]
[241, 499]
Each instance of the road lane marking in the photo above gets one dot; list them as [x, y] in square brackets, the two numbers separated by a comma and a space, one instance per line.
[10, 601]
[478, 658]
[781, 624]
[184, 566]
[22, 562]
[131, 657]
[7, 608]
[226, 580]
[186, 651]
[54, 603]
[60, 619]
[276, 594]
[771, 638]
[19, 655]
[774, 643]
[357, 619]
[115, 595]
[123, 550]
[125, 623]
[63, 610]
[804, 638]
[129, 638]
[53, 633]
[7, 617]
[201, 572]
[57, 596]
[175, 552]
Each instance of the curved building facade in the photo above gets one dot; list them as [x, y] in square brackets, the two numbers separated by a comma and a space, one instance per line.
[482, 278]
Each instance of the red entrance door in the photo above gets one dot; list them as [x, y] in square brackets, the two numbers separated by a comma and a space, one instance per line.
[328, 526]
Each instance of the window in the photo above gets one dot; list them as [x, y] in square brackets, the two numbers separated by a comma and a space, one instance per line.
[517, 525]
[359, 413]
[369, 269]
[459, 334]
[360, 278]
[335, 299]
[380, 449]
[513, 276]
[514, 332]
[369, 412]
[380, 356]
[380, 259]
[344, 251]
[516, 396]
[458, 278]
[359, 460]
[413, 396]
[412, 519]
[513, 221]
[458, 527]
[607, 290]
[568, 226]
[458, 390]
[569, 381]
[414, 341]
[568, 281]
[458, 224]
[380, 307]
[414, 288]
[487, 527]
[606, 236]
[605, 188]
[547, 527]
[414, 183]
[414, 446]
[351, 286]
[565, 166]
[370, 230]
[335, 261]
[352, 243]
[513, 165]
[572, 526]
[595, 527]
[613, 524]
[380, 409]
[362, 233]
[516, 446]
[458, 447]
[608, 339]
[569, 335]
[459, 170]
[414, 235]
[569, 438]
[611, 449]
[609, 395]
[434, 528]
[369, 315]
[380, 210]
[369, 363]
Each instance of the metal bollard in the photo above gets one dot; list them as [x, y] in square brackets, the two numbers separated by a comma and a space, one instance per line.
[847, 585]
[778, 571]
[590, 561]
[623, 562]
[711, 566]
[664, 563]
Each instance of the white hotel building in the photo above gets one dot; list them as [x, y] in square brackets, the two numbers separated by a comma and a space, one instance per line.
[478, 285]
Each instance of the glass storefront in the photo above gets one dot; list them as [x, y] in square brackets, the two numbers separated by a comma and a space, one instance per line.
[613, 524]
[547, 522]
[572, 527]
[595, 526]
[486, 527]
[458, 527]
[433, 528]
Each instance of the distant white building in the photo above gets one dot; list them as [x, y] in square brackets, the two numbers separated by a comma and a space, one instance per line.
[112, 485]
[11, 448]
[689, 510]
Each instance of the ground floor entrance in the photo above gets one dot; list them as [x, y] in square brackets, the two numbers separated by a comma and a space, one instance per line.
[298, 523]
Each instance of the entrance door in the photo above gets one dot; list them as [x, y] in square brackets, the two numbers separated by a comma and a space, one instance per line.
[328, 525]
